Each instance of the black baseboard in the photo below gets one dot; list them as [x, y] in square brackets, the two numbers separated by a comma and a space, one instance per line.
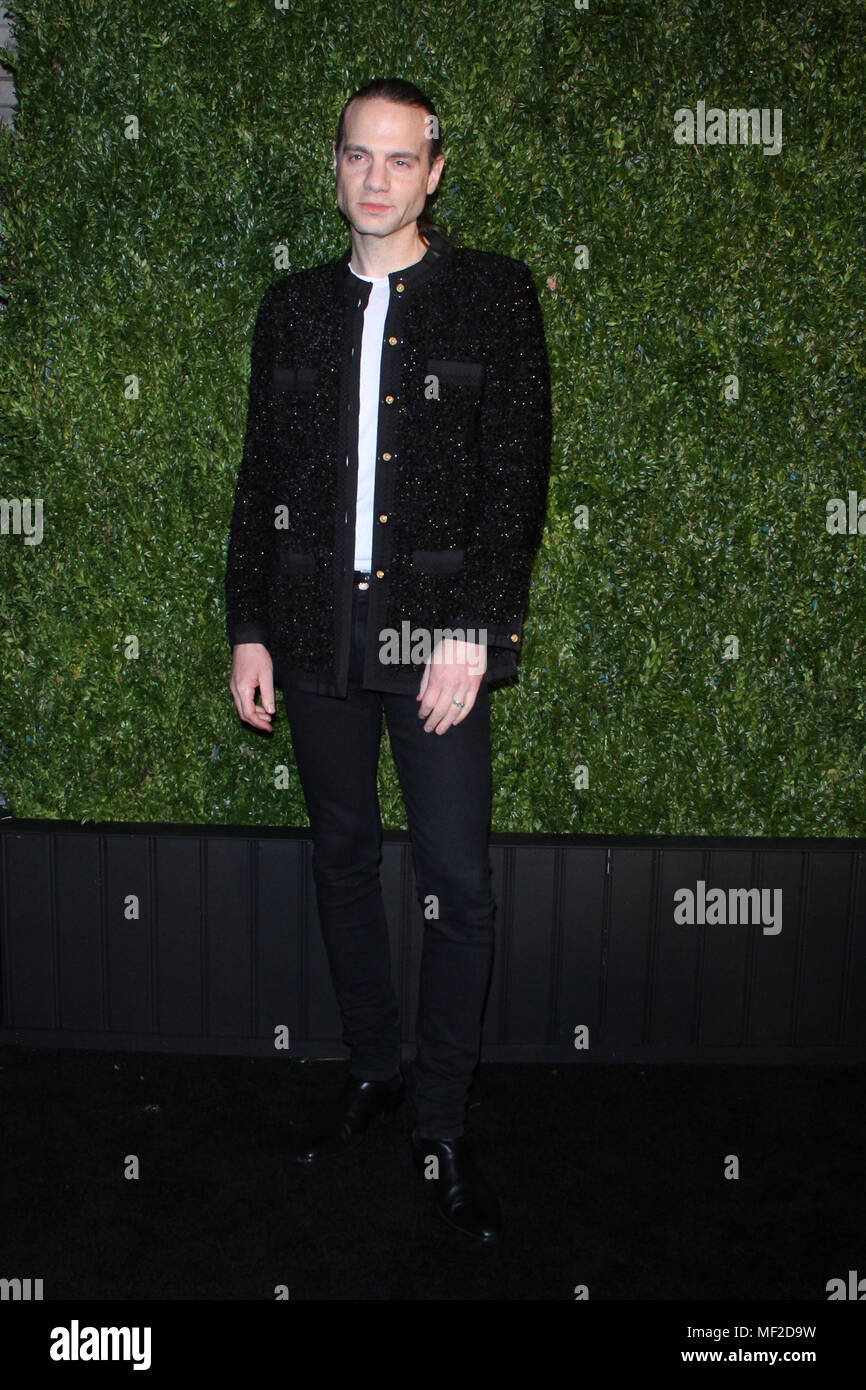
[206, 940]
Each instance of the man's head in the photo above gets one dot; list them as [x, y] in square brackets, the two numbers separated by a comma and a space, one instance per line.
[387, 157]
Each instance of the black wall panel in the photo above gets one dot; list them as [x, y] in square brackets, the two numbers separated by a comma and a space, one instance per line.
[853, 1032]
[189, 939]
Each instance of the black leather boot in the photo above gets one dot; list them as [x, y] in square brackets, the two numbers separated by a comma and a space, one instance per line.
[347, 1117]
[463, 1197]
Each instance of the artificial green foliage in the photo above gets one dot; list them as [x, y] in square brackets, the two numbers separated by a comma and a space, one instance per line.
[707, 516]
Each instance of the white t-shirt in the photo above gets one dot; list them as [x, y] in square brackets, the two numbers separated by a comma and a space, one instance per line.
[368, 415]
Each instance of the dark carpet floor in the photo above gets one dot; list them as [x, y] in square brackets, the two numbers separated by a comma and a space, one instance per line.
[612, 1177]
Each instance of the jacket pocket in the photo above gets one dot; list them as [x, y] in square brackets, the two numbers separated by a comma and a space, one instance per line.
[296, 561]
[295, 378]
[456, 372]
[437, 561]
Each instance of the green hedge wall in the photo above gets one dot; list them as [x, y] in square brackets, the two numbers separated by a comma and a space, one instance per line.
[707, 500]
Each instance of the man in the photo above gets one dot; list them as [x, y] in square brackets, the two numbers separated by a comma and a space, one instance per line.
[389, 503]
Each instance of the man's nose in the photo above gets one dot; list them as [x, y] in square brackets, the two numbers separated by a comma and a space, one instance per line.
[377, 175]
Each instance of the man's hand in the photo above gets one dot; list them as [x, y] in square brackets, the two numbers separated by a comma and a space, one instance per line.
[454, 672]
[252, 670]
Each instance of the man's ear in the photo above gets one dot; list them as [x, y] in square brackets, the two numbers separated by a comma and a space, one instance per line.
[334, 154]
[436, 169]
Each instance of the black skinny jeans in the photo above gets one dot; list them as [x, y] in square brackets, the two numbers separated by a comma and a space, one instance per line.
[446, 785]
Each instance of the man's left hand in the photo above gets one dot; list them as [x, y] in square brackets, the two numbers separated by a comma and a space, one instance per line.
[454, 672]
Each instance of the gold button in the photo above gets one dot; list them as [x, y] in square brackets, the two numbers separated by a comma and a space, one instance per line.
[389, 400]
[392, 341]
[380, 574]
[400, 288]
[383, 516]
[386, 456]
[514, 637]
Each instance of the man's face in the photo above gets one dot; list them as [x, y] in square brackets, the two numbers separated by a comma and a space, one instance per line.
[383, 170]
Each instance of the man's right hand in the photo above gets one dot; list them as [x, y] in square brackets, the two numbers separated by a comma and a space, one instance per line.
[252, 670]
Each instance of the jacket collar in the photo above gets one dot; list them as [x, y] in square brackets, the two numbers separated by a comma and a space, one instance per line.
[411, 276]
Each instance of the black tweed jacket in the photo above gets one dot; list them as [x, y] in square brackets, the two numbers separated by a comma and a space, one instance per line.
[462, 469]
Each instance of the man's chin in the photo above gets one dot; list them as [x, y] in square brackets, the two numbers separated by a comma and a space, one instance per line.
[375, 223]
